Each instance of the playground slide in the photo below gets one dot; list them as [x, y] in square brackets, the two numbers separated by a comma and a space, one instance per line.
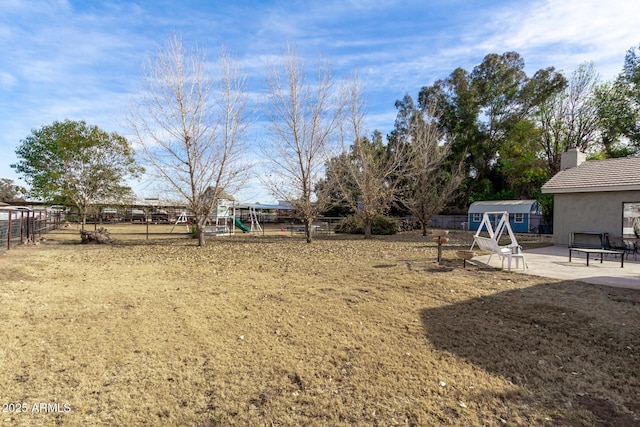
[242, 227]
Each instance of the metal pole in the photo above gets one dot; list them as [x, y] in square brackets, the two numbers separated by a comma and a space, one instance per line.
[9, 231]
[22, 227]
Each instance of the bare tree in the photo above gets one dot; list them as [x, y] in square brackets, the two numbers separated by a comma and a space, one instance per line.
[430, 179]
[192, 129]
[569, 119]
[304, 118]
[367, 174]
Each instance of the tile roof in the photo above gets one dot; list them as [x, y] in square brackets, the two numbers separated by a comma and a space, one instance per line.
[597, 175]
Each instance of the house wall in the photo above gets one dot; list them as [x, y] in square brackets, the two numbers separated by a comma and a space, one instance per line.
[602, 212]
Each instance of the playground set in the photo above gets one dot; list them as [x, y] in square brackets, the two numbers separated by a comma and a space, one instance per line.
[223, 220]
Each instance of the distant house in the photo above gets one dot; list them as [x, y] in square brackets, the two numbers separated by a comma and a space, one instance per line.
[524, 215]
[601, 196]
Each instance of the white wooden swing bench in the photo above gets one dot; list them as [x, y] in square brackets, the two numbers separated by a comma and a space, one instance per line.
[490, 244]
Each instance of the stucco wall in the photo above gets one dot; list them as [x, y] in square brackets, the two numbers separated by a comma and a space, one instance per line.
[589, 212]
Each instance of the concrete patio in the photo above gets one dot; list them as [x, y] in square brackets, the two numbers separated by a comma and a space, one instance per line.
[553, 262]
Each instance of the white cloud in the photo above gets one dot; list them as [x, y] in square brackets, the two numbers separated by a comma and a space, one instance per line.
[564, 33]
[7, 81]
[80, 60]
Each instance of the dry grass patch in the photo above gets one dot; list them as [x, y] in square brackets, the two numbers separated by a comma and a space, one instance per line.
[272, 331]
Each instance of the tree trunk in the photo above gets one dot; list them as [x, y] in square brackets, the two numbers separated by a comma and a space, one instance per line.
[468, 192]
[200, 230]
[307, 229]
[423, 225]
[100, 235]
[368, 228]
[84, 221]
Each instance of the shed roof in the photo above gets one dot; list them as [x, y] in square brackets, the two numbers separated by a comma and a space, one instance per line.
[621, 174]
[511, 206]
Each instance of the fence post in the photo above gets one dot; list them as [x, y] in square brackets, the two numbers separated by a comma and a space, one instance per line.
[9, 231]
[22, 227]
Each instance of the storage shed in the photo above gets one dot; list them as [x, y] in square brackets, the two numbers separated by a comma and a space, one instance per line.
[524, 215]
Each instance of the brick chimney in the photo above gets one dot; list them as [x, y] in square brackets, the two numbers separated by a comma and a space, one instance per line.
[572, 158]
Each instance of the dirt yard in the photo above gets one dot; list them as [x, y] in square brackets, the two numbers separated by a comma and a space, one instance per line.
[271, 331]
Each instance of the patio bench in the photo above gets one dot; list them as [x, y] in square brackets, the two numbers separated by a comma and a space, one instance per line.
[588, 239]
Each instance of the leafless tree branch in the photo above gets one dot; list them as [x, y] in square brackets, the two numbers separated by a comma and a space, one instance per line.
[192, 129]
[304, 118]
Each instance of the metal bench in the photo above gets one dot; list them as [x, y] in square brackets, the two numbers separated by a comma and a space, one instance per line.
[588, 239]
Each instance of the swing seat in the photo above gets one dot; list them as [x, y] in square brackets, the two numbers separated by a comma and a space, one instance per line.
[488, 244]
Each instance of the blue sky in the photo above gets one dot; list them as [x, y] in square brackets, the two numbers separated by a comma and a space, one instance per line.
[80, 60]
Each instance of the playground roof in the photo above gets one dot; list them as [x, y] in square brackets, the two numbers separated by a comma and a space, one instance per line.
[282, 206]
[511, 206]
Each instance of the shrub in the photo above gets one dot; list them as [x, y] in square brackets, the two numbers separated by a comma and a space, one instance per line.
[384, 226]
[350, 225]
[381, 225]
